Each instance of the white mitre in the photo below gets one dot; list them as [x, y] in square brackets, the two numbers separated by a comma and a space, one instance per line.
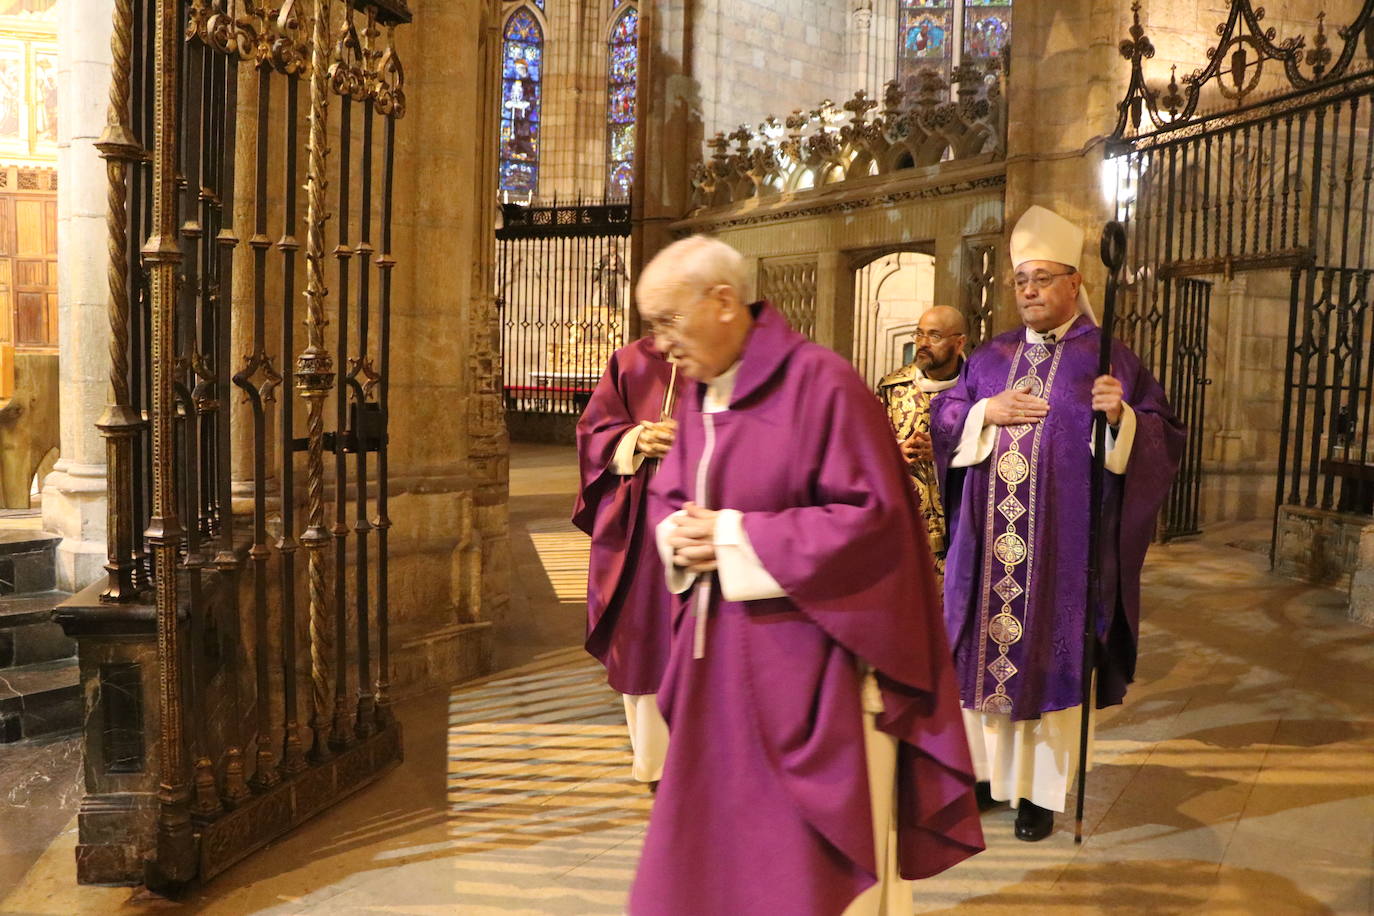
[1043, 235]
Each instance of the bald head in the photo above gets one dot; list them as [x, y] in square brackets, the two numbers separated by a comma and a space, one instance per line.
[945, 318]
[692, 265]
[940, 337]
[692, 296]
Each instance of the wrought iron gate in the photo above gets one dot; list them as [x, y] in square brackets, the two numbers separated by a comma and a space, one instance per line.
[1276, 176]
[563, 288]
[1188, 384]
[241, 756]
[1330, 377]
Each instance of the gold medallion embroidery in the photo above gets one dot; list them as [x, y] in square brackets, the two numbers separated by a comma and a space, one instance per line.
[1005, 629]
[1012, 547]
[998, 704]
[1013, 467]
[1037, 386]
[1009, 548]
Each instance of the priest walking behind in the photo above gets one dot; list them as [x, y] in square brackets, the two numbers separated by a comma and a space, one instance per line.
[1020, 421]
[817, 752]
[621, 436]
[908, 393]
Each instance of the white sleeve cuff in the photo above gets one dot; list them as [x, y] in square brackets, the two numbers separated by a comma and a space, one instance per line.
[626, 461]
[1119, 441]
[741, 573]
[977, 440]
[678, 579]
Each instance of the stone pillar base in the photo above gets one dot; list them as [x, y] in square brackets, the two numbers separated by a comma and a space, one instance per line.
[448, 655]
[74, 507]
[1329, 548]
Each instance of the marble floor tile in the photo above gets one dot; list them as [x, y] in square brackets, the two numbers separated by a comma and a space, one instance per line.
[1238, 777]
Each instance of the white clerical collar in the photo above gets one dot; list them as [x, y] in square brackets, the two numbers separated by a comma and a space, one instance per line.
[933, 385]
[1049, 337]
[719, 389]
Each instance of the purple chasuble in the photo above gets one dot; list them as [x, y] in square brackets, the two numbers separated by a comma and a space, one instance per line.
[764, 805]
[1016, 572]
[627, 601]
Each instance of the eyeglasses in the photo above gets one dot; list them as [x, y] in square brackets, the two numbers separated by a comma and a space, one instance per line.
[665, 324]
[1041, 279]
[931, 336]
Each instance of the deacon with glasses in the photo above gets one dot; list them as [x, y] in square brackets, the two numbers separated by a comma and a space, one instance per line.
[817, 754]
[1020, 422]
[907, 395]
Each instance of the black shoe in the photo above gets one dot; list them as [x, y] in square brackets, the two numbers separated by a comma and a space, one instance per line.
[653, 787]
[1033, 822]
[982, 791]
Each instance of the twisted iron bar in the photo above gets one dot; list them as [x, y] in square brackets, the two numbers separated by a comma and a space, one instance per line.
[119, 423]
[314, 378]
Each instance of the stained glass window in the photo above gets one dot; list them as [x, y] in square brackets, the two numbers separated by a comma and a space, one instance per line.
[941, 34]
[522, 71]
[926, 36]
[620, 103]
[986, 25]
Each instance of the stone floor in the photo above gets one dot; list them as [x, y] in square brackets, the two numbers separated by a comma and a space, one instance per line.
[1239, 777]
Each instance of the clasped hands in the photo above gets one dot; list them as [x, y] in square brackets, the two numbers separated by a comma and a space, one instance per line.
[693, 539]
[1017, 405]
[917, 448]
[656, 438]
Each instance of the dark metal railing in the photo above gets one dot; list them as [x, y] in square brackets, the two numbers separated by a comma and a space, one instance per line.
[1275, 176]
[563, 290]
[231, 783]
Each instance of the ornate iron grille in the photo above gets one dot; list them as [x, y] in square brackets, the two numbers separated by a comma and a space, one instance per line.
[563, 288]
[1188, 382]
[1277, 176]
[790, 284]
[241, 756]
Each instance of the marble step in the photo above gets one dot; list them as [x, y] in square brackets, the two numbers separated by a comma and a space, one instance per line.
[39, 699]
[27, 631]
[28, 561]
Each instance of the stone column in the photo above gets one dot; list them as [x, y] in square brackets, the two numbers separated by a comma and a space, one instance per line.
[74, 493]
[1228, 311]
[859, 45]
[669, 124]
[835, 302]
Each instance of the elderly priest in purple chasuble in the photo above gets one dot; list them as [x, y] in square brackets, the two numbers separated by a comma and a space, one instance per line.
[624, 431]
[1017, 427]
[817, 755]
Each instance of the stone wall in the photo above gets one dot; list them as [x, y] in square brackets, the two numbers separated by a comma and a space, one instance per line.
[762, 57]
[1247, 343]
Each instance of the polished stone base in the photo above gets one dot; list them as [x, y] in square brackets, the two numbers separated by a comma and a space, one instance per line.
[1329, 548]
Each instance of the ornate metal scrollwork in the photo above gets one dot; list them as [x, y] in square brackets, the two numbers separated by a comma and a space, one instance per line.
[389, 80]
[1235, 64]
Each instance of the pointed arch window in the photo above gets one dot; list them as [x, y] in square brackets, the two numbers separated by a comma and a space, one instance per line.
[942, 34]
[987, 24]
[522, 73]
[623, 62]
